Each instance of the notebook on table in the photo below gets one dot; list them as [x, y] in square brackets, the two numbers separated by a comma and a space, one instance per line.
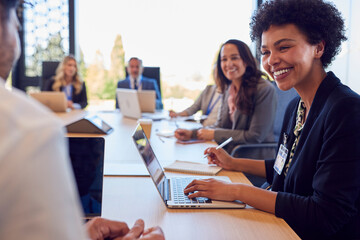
[192, 167]
[171, 189]
[56, 101]
[87, 160]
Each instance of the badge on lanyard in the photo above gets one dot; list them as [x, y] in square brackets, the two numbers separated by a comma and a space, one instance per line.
[281, 156]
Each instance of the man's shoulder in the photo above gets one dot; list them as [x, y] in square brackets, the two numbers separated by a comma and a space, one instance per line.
[122, 82]
[21, 110]
[146, 79]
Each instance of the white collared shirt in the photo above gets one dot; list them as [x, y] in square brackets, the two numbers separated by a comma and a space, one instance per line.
[38, 199]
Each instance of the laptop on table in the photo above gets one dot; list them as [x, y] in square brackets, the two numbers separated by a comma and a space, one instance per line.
[56, 101]
[171, 189]
[87, 160]
[138, 104]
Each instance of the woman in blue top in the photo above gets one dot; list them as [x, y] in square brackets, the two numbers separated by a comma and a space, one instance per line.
[67, 79]
[316, 175]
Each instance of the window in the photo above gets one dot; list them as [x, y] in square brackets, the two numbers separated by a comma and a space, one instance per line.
[346, 63]
[180, 37]
[46, 34]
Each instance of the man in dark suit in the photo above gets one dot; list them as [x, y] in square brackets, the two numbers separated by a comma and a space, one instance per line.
[135, 80]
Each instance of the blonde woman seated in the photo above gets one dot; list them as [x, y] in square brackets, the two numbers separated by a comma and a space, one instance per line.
[68, 80]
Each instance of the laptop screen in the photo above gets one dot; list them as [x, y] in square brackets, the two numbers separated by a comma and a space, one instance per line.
[151, 162]
[87, 159]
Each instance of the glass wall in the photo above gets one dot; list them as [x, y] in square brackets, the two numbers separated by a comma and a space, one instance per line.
[46, 33]
[180, 37]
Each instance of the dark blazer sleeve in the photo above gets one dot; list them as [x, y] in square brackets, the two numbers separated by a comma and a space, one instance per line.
[81, 98]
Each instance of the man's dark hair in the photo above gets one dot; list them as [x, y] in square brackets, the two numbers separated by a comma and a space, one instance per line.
[318, 20]
[6, 6]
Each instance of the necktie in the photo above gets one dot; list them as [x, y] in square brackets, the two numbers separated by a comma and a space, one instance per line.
[135, 84]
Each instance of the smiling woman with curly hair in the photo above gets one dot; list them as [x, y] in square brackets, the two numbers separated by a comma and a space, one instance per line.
[316, 20]
[315, 179]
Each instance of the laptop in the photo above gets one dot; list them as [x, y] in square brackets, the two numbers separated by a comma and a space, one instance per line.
[56, 101]
[87, 160]
[147, 100]
[171, 189]
[138, 104]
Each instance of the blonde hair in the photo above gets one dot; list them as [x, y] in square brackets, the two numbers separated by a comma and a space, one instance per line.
[59, 82]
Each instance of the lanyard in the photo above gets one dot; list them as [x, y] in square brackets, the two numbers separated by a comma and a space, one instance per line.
[212, 104]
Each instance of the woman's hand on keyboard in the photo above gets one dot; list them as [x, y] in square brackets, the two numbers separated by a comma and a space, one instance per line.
[211, 188]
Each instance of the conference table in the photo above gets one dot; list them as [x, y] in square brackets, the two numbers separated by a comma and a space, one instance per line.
[130, 194]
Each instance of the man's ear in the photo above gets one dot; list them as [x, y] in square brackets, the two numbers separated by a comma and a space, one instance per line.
[320, 48]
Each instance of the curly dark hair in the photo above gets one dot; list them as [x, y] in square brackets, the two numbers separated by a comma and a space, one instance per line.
[318, 20]
[244, 98]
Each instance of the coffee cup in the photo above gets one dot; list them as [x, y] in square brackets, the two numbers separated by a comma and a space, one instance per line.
[146, 125]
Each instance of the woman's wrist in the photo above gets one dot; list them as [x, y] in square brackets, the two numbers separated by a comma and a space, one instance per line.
[238, 190]
[235, 165]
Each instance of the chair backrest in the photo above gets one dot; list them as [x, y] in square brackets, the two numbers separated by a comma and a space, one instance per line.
[152, 72]
[284, 98]
[48, 70]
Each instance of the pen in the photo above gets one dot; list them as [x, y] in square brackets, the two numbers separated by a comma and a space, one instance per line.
[221, 145]
[176, 124]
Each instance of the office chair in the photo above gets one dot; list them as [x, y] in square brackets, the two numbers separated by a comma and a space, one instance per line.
[252, 150]
[151, 72]
[48, 71]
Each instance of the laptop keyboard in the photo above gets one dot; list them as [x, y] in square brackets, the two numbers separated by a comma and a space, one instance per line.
[178, 186]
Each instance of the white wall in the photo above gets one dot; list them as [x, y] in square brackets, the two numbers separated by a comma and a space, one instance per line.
[347, 65]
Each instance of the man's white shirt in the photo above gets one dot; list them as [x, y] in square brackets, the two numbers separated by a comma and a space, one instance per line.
[38, 193]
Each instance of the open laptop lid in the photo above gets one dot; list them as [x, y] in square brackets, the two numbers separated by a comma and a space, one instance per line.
[162, 183]
[128, 102]
[147, 100]
[56, 101]
[151, 162]
[87, 159]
